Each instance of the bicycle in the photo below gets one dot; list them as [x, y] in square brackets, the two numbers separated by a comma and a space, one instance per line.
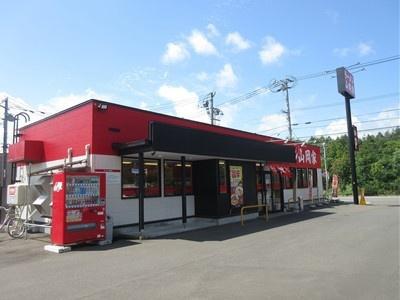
[15, 226]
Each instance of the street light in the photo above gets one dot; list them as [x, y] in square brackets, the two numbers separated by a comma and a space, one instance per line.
[326, 169]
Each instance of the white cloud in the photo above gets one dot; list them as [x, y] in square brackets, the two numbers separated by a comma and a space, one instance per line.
[271, 51]
[383, 119]
[229, 114]
[201, 44]
[226, 77]
[137, 80]
[341, 51]
[59, 103]
[202, 76]
[364, 49]
[185, 102]
[332, 15]
[271, 122]
[212, 30]
[237, 41]
[174, 53]
[53, 105]
[337, 128]
[17, 105]
[143, 105]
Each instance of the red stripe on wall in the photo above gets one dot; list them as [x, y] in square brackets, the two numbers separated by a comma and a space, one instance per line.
[107, 170]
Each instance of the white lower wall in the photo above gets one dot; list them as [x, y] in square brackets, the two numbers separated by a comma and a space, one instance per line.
[126, 211]
[304, 193]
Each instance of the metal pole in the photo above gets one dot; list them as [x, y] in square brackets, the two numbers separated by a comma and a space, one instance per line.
[183, 191]
[141, 192]
[212, 94]
[288, 112]
[351, 151]
[326, 169]
[4, 161]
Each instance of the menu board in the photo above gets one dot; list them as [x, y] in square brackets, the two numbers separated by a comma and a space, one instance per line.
[236, 179]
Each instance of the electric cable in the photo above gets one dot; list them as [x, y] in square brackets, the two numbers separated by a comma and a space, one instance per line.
[330, 119]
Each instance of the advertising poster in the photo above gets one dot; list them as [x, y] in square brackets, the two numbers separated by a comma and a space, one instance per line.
[236, 176]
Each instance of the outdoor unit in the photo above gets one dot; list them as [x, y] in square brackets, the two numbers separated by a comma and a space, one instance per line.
[17, 194]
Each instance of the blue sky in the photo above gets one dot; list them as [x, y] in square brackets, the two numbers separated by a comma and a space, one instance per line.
[166, 55]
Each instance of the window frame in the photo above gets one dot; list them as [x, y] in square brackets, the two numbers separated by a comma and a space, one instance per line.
[315, 178]
[144, 160]
[302, 183]
[164, 177]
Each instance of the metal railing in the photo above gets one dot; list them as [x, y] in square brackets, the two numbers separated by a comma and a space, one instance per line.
[243, 208]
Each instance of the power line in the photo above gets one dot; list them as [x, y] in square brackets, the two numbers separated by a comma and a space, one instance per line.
[26, 109]
[345, 132]
[337, 103]
[311, 76]
[352, 67]
[359, 122]
[330, 119]
[246, 96]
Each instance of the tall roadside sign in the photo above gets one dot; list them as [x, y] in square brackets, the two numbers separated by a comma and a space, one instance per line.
[345, 82]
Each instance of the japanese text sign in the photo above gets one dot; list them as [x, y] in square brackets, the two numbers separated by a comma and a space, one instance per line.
[345, 83]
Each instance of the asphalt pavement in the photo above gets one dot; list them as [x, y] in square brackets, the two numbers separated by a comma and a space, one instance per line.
[337, 252]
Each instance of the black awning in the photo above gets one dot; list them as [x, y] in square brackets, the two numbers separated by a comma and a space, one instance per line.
[177, 139]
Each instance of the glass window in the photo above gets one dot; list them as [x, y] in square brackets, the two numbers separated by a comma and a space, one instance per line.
[223, 188]
[315, 179]
[302, 178]
[173, 178]
[276, 181]
[130, 178]
[305, 178]
[299, 178]
[288, 181]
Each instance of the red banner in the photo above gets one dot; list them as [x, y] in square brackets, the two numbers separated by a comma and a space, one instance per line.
[308, 156]
[283, 169]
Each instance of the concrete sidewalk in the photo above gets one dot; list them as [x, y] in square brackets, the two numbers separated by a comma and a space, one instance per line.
[337, 252]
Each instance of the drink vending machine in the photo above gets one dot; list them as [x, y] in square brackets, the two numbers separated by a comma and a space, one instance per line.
[79, 210]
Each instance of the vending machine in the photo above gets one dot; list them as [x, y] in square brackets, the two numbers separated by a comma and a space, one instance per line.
[78, 210]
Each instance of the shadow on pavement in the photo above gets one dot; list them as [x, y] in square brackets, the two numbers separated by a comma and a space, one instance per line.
[234, 230]
[120, 242]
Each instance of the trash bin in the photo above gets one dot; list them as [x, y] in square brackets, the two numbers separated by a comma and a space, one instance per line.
[109, 232]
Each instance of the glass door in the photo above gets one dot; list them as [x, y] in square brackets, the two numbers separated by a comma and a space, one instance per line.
[268, 190]
[277, 192]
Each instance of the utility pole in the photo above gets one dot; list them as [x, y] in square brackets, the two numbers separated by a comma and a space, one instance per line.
[208, 105]
[4, 160]
[284, 85]
[288, 112]
[351, 151]
[212, 94]
[326, 168]
[345, 82]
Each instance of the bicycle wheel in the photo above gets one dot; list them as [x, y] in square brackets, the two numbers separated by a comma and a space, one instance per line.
[16, 228]
[3, 222]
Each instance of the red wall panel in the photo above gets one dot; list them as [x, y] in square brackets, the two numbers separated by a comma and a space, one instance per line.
[72, 128]
[87, 124]
[133, 124]
[26, 151]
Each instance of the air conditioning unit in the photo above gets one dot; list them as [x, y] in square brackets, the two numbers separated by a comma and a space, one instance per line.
[17, 194]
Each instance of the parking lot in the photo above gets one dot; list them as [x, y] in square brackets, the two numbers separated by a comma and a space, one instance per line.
[340, 251]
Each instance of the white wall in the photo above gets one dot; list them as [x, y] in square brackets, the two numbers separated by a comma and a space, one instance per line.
[126, 211]
[317, 192]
